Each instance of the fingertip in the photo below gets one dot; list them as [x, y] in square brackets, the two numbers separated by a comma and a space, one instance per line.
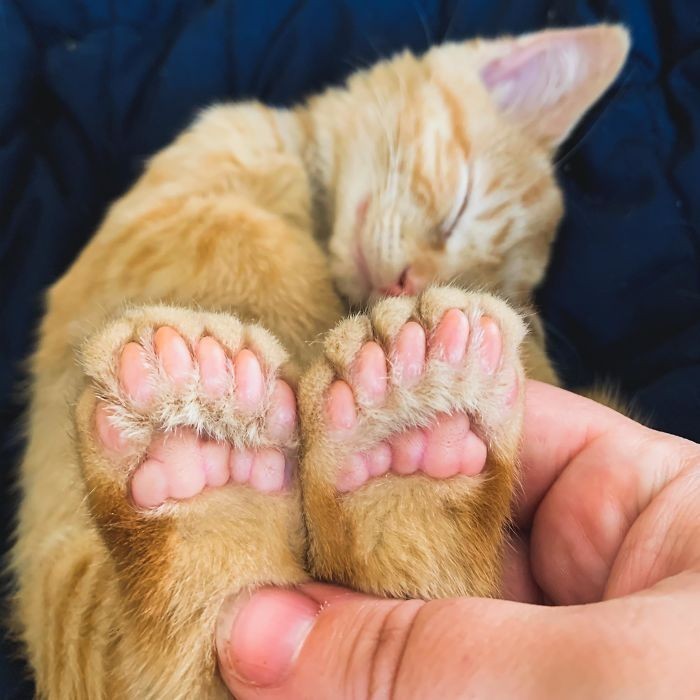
[259, 636]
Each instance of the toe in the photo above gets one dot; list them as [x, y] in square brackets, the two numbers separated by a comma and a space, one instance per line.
[282, 418]
[353, 474]
[409, 351]
[240, 465]
[108, 433]
[149, 485]
[215, 461]
[173, 353]
[135, 374]
[379, 459]
[473, 455]
[491, 344]
[183, 480]
[449, 343]
[213, 372]
[369, 374]
[446, 445]
[340, 407]
[267, 471]
[408, 449]
[181, 457]
[249, 381]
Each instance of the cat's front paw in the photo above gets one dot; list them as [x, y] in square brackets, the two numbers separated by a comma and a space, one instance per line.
[411, 429]
[202, 390]
[188, 438]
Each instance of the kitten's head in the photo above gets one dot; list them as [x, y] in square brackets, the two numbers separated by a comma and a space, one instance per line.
[441, 167]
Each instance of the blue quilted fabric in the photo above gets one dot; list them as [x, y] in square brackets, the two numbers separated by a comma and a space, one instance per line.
[90, 88]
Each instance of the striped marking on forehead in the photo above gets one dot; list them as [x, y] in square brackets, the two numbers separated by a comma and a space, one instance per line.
[434, 183]
[457, 118]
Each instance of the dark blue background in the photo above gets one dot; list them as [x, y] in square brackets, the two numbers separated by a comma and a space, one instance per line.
[88, 89]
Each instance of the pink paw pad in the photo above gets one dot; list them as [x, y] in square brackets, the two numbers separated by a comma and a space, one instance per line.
[409, 354]
[217, 373]
[449, 342]
[180, 464]
[447, 448]
[214, 367]
[444, 450]
[370, 374]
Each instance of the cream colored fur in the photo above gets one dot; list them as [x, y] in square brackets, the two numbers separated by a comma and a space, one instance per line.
[246, 228]
[428, 538]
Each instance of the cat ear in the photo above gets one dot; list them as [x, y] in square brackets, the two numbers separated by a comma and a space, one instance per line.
[548, 80]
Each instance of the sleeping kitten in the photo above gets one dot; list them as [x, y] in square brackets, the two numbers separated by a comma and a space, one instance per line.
[168, 468]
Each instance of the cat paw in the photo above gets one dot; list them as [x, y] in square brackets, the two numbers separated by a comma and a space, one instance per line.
[187, 437]
[445, 448]
[182, 410]
[411, 426]
[181, 464]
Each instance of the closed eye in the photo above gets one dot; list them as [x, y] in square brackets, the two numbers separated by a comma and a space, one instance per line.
[464, 190]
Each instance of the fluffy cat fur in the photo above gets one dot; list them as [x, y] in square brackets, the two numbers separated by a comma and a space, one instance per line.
[259, 226]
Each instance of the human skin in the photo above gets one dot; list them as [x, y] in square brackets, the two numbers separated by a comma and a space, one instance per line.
[601, 588]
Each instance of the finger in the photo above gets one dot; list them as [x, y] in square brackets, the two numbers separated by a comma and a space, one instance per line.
[356, 646]
[622, 516]
[350, 646]
[558, 425]
[608, 520]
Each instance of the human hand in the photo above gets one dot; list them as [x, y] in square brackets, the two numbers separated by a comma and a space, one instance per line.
[608, 535]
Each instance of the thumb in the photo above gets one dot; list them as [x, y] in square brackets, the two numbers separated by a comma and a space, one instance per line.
[326, 642]
[286, 643]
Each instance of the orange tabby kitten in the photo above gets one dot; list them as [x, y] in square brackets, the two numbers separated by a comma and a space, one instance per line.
[167, 468]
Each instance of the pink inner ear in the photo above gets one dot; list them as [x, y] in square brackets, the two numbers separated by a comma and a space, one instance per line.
[531, 78]
[547, 81]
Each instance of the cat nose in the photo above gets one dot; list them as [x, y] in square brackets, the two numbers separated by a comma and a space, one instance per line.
[406, 284]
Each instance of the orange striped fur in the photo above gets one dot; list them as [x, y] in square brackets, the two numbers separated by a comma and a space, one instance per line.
[254, 212]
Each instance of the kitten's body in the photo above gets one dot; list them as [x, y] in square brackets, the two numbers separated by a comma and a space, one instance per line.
[241, 216]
